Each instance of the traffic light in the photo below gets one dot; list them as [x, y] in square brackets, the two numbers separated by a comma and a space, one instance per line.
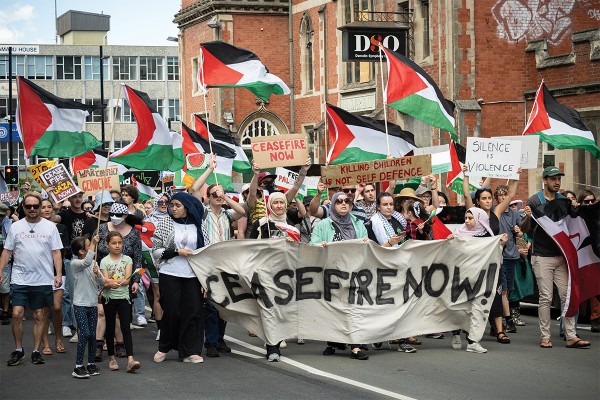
[11, 174]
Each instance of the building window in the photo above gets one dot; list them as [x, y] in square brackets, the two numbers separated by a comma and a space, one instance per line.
[257, 128]
[18, 66]
[306, 54]
[358, 72]
[174, 110]
[124, 68]
[172, 68]
[425, 17]
[68, 67]
[18, 153]
[151, 68]
[4, 108]
[96, 115]
[39, 67]
[92, 68]
[124, 113]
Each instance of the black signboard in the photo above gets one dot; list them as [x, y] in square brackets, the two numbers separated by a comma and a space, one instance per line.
[363, 44]
[149, 178]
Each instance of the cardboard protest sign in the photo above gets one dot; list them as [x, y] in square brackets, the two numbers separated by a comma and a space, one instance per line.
[11, 198]
[279, 150]
[94, 180]
[530, 145]
[376, 170]
[59, 177]
[37, 169]
[351, 291]
[494, 158]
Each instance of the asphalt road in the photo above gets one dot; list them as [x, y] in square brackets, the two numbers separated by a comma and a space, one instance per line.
[520, 370]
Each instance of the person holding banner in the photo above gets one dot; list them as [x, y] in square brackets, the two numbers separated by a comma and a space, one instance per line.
[340, 225]
[387, 226]
[322, 211]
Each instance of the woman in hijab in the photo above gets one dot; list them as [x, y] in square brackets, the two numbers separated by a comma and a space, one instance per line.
[477, 224]
[340, 225]
[175, 238]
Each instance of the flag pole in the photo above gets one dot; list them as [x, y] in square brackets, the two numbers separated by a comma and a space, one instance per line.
[387, 136]
[205, 92]
[326, 145]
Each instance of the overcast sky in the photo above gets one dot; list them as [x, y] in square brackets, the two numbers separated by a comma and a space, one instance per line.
[132, 22]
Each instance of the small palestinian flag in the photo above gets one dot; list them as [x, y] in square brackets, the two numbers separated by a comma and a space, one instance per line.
[559, 125]
[155, 147]
[223, 136]
[357, 138]
[197, 151]
[412, 91]
[224, 65]
[50, 126]
[455, 177]
[146, 192]
[93, 159]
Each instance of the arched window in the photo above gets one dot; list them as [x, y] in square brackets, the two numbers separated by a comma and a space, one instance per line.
[306, 54]
[261, 123]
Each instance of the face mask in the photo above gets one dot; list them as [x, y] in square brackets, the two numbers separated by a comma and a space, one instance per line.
[116, 220]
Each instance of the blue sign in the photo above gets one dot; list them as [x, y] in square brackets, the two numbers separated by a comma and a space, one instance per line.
[4, 133]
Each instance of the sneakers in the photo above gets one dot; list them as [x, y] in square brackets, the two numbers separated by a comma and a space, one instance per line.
[159, 357]
[36, 358]
[515, 313]
[141, 321]
[80, 373]
[15, 358]
[223, 348]
[133, 365]
[211, 351]
[66, 331]
[511, 326]
[283, 344]
[407, 348]
[74, 339]
[328, 351]
[194, 359]
[456, 342]
[93, 370]
[112, 365]
[476, 348]
[273, 357]
[300, 341]
[359, 355]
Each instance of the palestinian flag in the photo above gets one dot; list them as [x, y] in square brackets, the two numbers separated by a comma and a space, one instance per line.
[155, 147]
[455, 177]
[411, 90]
[356, 138]
[223, 136]
[290, 230]
[50, 126]
[224, 65]
[575, 231]
[559, 125]
[95, 158]
[197, 151]
[146, 192]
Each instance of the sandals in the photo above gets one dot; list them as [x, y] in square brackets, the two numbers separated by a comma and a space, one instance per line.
[47, 351]
[546, 344]
[579, 344]
[60, 348]
[502, 338]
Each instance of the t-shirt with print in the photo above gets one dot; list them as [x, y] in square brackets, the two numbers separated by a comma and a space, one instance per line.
[258, 211]
[74, 223]
[115, 269]
[33, 263]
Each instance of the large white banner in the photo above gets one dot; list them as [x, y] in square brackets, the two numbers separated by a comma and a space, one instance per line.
[351, 291]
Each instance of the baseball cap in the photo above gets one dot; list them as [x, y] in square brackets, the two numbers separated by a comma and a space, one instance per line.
[422, 190]
[551, 171]
[3, 209]
[265, 175]
[519, 203]
[102, 198]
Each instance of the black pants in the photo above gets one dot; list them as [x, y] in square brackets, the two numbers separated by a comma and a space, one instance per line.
[111, 309]
[182, 323]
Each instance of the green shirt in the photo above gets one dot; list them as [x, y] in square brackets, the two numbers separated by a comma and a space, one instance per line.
[116, 271]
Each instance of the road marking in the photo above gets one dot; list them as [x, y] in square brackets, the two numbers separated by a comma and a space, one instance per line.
[243, 353]
[324, 374]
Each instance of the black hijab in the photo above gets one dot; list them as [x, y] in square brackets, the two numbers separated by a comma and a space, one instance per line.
[195, 212]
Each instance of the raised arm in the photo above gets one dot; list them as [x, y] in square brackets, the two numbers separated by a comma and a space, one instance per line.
[195, 189]
[466, 191]
[301, 208]
[251, 200]
[435, 199]
[314, 208]
[512, 190]
[291, 194]
[238, 210]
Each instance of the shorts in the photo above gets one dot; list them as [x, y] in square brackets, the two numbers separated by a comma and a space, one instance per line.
[508, 274]
[5, 286]
[62, 285]
[33, 297]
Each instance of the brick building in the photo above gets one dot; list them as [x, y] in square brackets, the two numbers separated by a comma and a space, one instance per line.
[488, 57]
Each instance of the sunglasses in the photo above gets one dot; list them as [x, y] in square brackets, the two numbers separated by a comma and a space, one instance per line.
[117, 215]
[214, 195]
[349, 191]
[31, 206]
[346, 200]
[266, 182]
[589, 201]
[162, 202]
[513, 205]
[87, 209]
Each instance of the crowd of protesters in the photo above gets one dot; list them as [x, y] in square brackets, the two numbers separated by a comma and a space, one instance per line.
[87, 268]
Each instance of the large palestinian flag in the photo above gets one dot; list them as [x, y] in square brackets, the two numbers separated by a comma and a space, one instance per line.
[559, 125]
[50, 126]
[223, 136]
[224, 65]
[93, 159]
[155, 147]
[355, 138]
[197, 151]
[576, 234]
[411, 90]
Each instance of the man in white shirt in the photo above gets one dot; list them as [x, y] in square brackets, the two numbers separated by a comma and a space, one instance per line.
[34, 243]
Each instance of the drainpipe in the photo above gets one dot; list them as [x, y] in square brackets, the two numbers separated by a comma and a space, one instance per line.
[291, 40]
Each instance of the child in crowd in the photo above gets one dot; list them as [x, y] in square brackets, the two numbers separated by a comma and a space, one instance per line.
[86, 279]
[116, 269]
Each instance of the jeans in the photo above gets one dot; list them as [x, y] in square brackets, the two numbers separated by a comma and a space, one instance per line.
[67, 303]
[214, 325]
[139, 303]
[87, 318]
